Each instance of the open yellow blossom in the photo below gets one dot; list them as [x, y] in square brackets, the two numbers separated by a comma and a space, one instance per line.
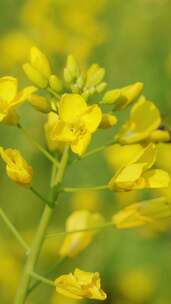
[80, 285]
[10, 98]
[138, 174]
[48, 129]
[77, 121]
[16, 167]
[38, 69]
[121, 98]
[143, 121]
[142, 213]
[74, 243]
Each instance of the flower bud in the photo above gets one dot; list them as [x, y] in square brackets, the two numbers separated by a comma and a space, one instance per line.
[101, 87]
[142, 213]
[40, 62]
[73, 244]
[71, 71]
[35, 76]
[55, 83]
[17, 168]
[95, 75]
[121, 98]
[108, 121]
[40, 103]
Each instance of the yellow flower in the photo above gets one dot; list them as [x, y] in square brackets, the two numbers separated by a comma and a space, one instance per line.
[77, 121]
[38, 69]
[121, 98]
[74, 243]
[80, 285]
[10, 98]
[124, 154]
[17, 168]
[108, 121]
[142, 213]
[144, 120]
[137, 174]
[48, 129]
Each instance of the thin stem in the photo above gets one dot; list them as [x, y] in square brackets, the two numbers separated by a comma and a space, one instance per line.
[49, 273]
[14, 231]
[99, 149]
[42, 279]
[56, 234]
[38, 146]
[96, 188]
[40, 196]
[53, 93]
[39, 237]
[95, 151]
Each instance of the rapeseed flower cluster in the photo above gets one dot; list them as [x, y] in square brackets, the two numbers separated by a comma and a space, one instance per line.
[77, 106]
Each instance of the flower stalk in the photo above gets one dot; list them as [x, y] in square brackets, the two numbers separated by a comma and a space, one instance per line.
[14, 231]
[39, 237]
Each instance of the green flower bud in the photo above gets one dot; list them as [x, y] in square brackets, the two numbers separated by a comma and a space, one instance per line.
[55, 83]
[101, 87]
[71, 71]
[95, 75]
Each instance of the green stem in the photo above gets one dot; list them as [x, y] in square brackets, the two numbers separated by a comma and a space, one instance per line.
[40, 196]
[39, 238]
[38, 146]
[42, 279]
[14, 231]
[54, 93]
[56, 234]
[50, 272]
[99, 149]
[96, 188]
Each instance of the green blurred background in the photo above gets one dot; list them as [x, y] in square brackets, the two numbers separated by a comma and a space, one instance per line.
[131, 39]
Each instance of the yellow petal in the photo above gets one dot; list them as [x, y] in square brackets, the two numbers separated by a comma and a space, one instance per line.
[71, 107]
[53, 145]
[144, 118]
[145, 212]
[80, 285]
[40, 62]
[160, 136]
[126, 177]
[62, 132]
[24, 95]
[145, 115]
[8, 88]
[17, 168]
[73, 244]
[80, 145]
[147, 156]
[92, 118]
[156, 178]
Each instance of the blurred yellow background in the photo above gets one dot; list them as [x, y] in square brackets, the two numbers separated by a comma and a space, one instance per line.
[132, 40]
